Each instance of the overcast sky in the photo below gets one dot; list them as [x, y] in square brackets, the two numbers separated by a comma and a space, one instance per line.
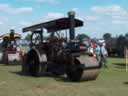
[99, 16]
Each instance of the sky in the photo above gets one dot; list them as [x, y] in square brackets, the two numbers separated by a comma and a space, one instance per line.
[99, 16]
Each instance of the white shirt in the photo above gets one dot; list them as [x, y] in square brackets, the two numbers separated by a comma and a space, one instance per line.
[104, 51]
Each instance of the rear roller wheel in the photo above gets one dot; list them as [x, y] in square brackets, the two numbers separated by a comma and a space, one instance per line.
[33, 64]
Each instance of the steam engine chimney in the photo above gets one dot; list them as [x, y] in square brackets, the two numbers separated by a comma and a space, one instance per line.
[71, 16]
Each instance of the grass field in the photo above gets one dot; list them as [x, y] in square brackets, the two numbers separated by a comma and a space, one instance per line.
[112, 81]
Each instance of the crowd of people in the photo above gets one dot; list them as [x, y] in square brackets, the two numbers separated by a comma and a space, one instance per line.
[99, 50]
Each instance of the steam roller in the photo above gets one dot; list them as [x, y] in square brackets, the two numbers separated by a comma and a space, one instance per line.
[60, 55]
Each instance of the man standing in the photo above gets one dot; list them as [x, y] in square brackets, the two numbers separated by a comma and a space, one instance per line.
[103, 54]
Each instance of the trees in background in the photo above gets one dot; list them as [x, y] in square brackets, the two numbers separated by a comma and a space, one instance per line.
[27, 37]
[82, 36]
[107, 36]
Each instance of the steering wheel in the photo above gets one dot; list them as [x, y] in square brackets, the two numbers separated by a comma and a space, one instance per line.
[35, 38]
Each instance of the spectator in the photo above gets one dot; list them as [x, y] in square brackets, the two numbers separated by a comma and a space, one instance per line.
[103, 54]
[90, 49]
[97, 51]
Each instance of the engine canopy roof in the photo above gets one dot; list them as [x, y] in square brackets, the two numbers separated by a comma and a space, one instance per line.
[54, 25]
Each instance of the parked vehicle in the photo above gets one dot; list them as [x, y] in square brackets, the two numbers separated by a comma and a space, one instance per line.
[10, 52]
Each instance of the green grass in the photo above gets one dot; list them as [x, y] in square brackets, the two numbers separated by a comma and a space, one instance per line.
[111, 82]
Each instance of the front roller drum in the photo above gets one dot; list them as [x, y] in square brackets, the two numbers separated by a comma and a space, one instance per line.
[90, 74]
[80, 73]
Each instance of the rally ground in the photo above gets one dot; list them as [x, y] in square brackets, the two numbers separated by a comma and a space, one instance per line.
[112, 81]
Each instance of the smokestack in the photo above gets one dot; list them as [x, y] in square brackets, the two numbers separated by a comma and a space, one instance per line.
[71, 16]
[12, 30]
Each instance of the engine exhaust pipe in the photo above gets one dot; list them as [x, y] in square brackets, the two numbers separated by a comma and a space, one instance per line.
[71, 16]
